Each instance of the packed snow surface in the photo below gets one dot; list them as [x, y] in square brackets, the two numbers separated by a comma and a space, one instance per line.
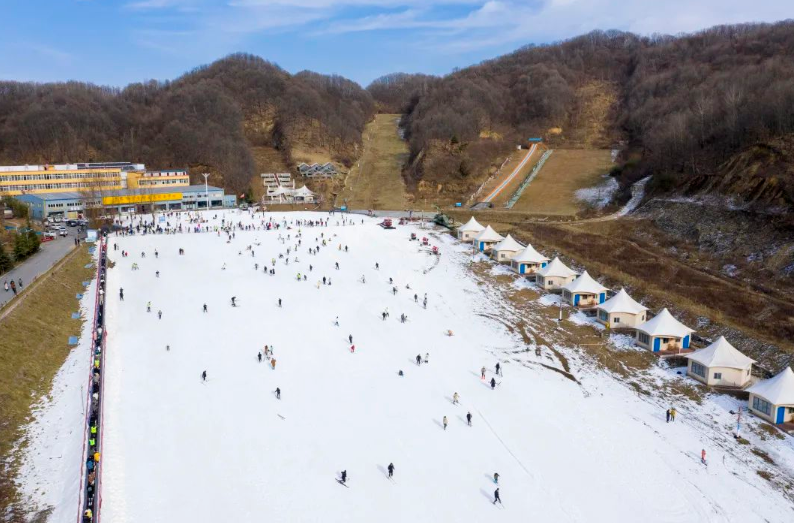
[180, 450]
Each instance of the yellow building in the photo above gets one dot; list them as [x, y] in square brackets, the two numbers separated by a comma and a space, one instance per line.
[42, 179]
[149, 179]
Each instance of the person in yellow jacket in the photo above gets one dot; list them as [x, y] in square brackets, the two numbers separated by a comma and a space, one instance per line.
[96, 457]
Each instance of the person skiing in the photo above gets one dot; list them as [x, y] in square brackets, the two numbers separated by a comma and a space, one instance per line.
[391, 469]
[482, 373]
[468, 419]
[205, 307]
[234, 304]
[400, 373]
[496, 496]
[493, 383]
[157, 273]
[148, 306]
[204, 376]
[416, 298]
[418, 359]
[259, 356]
[273, 363]
[352, 349]
[344, 476]
[455, 399]
[377, 267]
[336, 321]
[350, 338]
[498, 369]
[121, 294]
[278, 393]
[427, 357]
[703, 456]
[496, 477]
[159, 315]
[383, 315]
[445, 422]
[279, 302]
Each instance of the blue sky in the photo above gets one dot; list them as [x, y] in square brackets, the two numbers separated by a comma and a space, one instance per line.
[115, 42]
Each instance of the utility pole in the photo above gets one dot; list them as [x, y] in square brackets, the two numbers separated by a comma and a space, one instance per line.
[206, 189]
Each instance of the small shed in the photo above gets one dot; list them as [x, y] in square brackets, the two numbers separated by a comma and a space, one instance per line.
[505, 250]
[621, 311]
[528, 261]
[469, 230]
[720, 364]
[584, 291]
[486, 239]
[663, 332]
[555, 275]
[773, 399]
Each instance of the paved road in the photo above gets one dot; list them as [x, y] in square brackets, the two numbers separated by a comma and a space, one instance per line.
[50, 254]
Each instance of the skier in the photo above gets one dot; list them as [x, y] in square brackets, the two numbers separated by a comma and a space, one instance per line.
[121, 294]
[344, 476]
[204, 376]
[259, 356]
[233, 301]
[391, 469]
[455, 399]
[468, 418]
[418, 359]
[496, 477]
[168, 348]
[668, 415]
[377, 267]
[157, 274]
[416, 298]
[445, 422]
[498, 369]
[278, 393]
[205, 307]
[336, 321]
[482, 373]
[493, 383]
[350, 338]
[273, 363]
[703, 456]
[383, 315]
[352, 349]
[496, 496]
[672, 414]
[159, 315]
[427, 357]
[149, 307]
[279, 302]
[400, 373]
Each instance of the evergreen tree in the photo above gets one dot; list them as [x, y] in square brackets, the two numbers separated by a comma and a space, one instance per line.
[33, 242]
[20, 246]
[5, 260]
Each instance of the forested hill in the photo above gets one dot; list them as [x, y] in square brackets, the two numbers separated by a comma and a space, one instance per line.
[683, 107]
[208, 119]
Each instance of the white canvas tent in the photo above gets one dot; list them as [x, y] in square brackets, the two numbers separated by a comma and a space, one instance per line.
[506, 249]
[528, 261]
[773, 399]
[486, 239]
[469, 230]
[584, 291]
[720, 364]
[663, 332]
[621, 310]
[555, 275]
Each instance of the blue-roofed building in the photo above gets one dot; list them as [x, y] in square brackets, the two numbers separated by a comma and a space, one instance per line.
[73, 204]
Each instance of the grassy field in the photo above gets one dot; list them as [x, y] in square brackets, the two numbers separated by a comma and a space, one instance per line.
[375, 182]
[566, 171]
[33, 346]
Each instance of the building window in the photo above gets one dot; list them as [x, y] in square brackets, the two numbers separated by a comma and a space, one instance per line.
[644, 338]
[617, 320]
[717, 375]
[603, 315]
[698, 369]
[762, 406]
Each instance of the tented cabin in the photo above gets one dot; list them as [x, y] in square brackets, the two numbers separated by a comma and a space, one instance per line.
[469, 230]
[584, 291]
[486, 239]
[621, 311]
[773, 399]
[505, 250]
[528, 261]
[664, 333]
[555, 275]
[720, 365]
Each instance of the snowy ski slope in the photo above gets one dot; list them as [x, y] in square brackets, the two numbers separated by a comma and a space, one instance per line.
[178, 450]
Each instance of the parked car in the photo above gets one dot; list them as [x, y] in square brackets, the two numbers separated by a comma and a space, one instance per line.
[48, 236]
[63, 232]
[71, 223]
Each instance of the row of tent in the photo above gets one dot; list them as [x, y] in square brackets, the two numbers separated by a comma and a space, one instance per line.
[720, 364]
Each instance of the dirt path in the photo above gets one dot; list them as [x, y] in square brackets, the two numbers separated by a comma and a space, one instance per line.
[375, 182]
[499, 190]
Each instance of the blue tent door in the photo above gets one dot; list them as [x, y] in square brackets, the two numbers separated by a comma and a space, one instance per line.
[576, 299]
[781, 412]
[482, 246]
[602, 297]
[521, 268]
[686, 341]
[657, 344]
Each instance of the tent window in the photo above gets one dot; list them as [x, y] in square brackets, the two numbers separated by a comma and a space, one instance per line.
[644, 338]
[762, 406]
[698, 369]
[717, 375]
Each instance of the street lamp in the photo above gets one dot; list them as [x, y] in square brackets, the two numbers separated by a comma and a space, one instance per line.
[206, 189]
